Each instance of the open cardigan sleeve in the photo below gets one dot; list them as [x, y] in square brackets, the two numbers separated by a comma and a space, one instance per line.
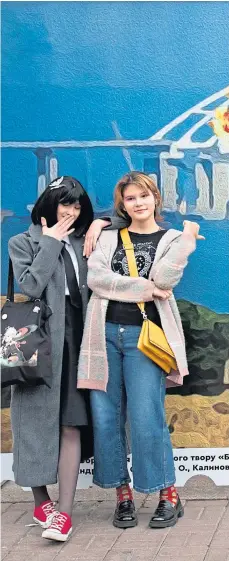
[168, 271]
[112, 286]
[33, 272]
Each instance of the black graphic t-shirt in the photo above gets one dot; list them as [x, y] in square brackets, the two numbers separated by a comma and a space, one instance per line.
[145, 246]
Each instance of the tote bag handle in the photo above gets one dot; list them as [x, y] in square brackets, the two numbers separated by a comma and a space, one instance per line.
[10, 285]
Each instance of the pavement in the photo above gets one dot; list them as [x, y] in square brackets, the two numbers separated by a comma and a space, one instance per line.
[201, 535]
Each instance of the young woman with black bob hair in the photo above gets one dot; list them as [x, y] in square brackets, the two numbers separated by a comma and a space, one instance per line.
[51, 427]
[70, 193]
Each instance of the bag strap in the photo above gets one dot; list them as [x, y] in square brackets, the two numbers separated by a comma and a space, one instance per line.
[133, 270]
[10, 284]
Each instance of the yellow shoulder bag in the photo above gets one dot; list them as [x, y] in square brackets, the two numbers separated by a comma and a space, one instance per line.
[152, 341]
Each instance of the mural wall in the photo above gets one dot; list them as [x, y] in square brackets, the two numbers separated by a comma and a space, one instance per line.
[94, 89]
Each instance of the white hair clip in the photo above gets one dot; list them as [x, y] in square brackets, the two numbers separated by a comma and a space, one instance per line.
[57, 183]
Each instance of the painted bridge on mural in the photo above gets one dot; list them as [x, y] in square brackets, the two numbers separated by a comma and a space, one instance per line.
[184, 146]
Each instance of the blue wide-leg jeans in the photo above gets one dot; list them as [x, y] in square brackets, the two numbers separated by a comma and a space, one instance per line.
[136, 387]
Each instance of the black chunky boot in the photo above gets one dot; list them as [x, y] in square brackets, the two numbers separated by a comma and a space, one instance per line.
[125, 515]
[166, 514]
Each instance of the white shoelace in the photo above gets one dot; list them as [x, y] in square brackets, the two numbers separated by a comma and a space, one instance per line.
[58, 522]
[48, 508]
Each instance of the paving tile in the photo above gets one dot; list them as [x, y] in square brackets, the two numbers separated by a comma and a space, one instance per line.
[143, 555]
[153, 540]
[81, 539]
[219, 554]
[189, 537]
[119, 556]
[224, 525]
[162, 533]
[11, 537]
[194, 513]
[71, 550]
[4, 553]
[143, 531]
[172, 540]
[101, 542]
[208, 503]
[100, 527]
[203, 538]
[77, 554]
[130, 555]
[201, 535]
[221, 538]
[33, 541]
[49, 555]
[4, 507]
[226, 514]
[210, 514]
[14, 514]
[42, 547]
[184, 523]
[181, 553]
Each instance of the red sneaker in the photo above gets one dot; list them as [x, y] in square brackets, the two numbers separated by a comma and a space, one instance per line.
[44, 514]
[60, 529]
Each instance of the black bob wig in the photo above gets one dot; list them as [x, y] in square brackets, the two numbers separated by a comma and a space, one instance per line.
[65, 190]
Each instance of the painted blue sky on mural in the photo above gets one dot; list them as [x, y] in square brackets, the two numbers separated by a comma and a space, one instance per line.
[92, 71]
[70, 69]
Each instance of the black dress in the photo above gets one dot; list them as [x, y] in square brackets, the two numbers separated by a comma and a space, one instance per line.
[74, 403]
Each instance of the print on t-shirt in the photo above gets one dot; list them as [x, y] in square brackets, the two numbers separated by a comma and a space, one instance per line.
[145, 245]
[144, 255]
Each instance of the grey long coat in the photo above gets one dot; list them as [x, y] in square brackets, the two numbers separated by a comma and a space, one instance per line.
[38, 266]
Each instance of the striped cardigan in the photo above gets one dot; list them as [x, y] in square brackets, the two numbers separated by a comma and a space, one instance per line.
[170, 260]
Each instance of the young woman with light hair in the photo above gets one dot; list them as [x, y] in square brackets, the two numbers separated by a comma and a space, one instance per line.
[124, 381]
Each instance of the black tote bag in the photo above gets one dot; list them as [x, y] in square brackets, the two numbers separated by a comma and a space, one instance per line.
[25, 353]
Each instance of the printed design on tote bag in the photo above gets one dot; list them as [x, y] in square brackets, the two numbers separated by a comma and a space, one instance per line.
[11, 353]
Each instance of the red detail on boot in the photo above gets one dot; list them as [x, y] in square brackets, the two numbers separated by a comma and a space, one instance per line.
[124, 493]
[169, 494]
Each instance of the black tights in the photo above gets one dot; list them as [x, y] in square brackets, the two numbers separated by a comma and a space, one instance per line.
[68, 471]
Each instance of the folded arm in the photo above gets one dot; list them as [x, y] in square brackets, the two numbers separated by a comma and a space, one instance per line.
[112, 286]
